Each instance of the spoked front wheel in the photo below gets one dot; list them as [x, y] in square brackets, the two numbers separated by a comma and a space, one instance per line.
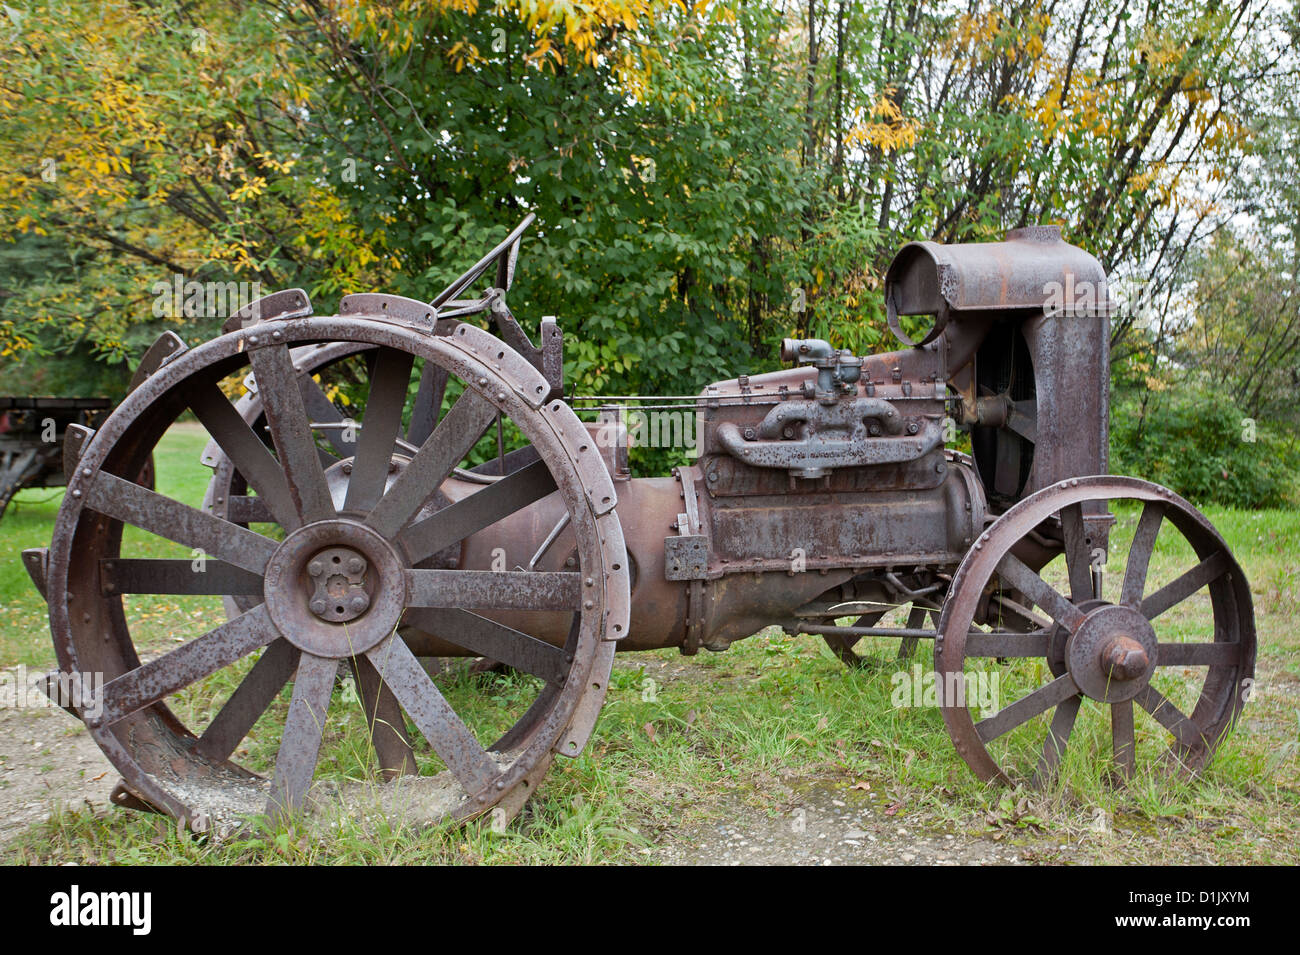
[1056, 666]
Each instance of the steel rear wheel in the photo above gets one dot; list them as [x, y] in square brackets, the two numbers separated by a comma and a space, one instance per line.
[336, 584]
[1075, 670]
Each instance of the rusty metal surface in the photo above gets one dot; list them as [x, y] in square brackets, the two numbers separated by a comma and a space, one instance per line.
[1017, 273]
[820, 492]
[287, 570]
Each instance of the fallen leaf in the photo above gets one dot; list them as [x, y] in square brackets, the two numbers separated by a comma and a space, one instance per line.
[649, 730]
[100, 776]
[862, 784]
[822, 724]
[893, 808]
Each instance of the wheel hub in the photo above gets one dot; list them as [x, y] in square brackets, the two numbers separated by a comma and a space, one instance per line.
[338, 584]
[335, 588]
[339, 474]
[1113, 653]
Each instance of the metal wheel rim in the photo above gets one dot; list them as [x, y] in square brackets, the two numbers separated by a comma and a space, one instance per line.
[128, 431]
[1221, 699]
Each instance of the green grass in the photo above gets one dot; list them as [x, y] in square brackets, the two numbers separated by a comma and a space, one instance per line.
[760, 724]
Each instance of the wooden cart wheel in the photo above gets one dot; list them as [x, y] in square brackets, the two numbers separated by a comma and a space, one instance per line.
[1081, 666]
[340, 583]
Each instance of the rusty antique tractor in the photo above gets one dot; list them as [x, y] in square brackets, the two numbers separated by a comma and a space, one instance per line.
[474, 515]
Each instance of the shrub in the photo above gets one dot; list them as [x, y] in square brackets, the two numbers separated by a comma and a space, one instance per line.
[1202, 446]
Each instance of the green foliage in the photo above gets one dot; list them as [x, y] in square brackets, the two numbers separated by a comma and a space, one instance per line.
[1198, 443]
[707, 178]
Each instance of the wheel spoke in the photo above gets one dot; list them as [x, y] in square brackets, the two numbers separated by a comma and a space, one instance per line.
[1078, 561]
[379, 433]
[451, 440]
[1170, 717]
[1026, 708]
[494, 590]
[1057, 738]
[246, 451]
[150, 511]
[444, 730]
[1139, 555]
[295, 445]
[470, 514]
[244, 509]
[1019, 576]
[1006, 645]
[204, 655]
[384, 717]
[428, 403]
[1198, 654]
[147, 575]
[1021, 612]
[915, 620]
[295, 763]
[323, 411]
[254, 694]
[496, 641]
[1178, 590]
[1122, 742]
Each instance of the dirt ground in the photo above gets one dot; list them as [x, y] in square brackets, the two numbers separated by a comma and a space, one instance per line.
[826, 830]
[47, 759]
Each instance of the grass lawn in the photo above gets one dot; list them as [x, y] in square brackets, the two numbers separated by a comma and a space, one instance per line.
[683, 742]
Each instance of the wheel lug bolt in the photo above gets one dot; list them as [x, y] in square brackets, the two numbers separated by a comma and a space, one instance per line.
[360, 602]
[318, 607]
[356, 565]
[315, 568]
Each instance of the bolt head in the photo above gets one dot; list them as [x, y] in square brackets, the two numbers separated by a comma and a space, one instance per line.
[1124, 659]
[356, 565]
[318, 607]
[359, 603]
[315, 568]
